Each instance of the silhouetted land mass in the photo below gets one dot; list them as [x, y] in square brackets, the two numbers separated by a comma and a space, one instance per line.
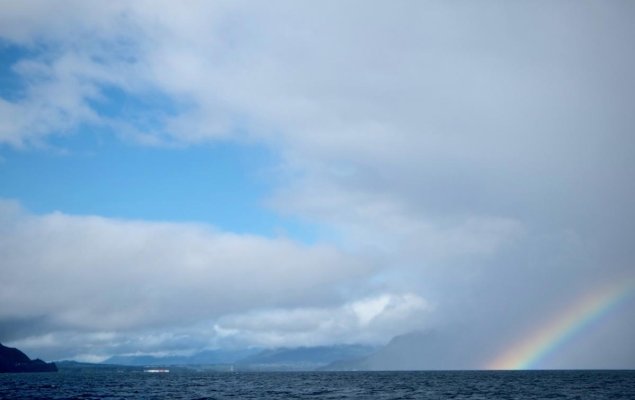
[13, 360]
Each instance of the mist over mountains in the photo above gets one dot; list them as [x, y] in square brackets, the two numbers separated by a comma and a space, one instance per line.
[203, 357]
[417, 350]
[420, 350]
[299, 358]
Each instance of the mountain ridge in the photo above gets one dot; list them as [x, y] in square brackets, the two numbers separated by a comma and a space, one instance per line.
[14, 360]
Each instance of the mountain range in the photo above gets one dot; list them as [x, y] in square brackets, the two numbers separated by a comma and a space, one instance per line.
[298, 358]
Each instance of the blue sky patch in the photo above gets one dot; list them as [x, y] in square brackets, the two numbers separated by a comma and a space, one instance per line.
[221, 184]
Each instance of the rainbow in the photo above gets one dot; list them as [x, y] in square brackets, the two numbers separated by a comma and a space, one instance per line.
[527, 353]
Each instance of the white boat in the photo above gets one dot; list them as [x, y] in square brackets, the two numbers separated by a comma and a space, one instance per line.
[157, 370]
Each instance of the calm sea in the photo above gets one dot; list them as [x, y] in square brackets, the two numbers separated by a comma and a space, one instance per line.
[322, 385]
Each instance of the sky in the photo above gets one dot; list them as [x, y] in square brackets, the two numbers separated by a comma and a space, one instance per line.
[181, 176]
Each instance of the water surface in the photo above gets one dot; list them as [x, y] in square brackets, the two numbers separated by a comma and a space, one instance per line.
[322, 385]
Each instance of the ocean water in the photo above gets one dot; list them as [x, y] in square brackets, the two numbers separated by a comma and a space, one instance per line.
[322, 385]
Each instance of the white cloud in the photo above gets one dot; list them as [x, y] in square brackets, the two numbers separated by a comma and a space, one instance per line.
[94, 274]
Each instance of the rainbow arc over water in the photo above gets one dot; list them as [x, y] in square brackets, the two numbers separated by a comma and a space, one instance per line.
[560, 329]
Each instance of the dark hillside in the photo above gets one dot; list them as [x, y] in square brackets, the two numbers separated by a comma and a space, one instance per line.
[13, 360]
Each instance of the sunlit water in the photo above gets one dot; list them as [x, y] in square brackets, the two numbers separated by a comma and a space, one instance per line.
[322, 385]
